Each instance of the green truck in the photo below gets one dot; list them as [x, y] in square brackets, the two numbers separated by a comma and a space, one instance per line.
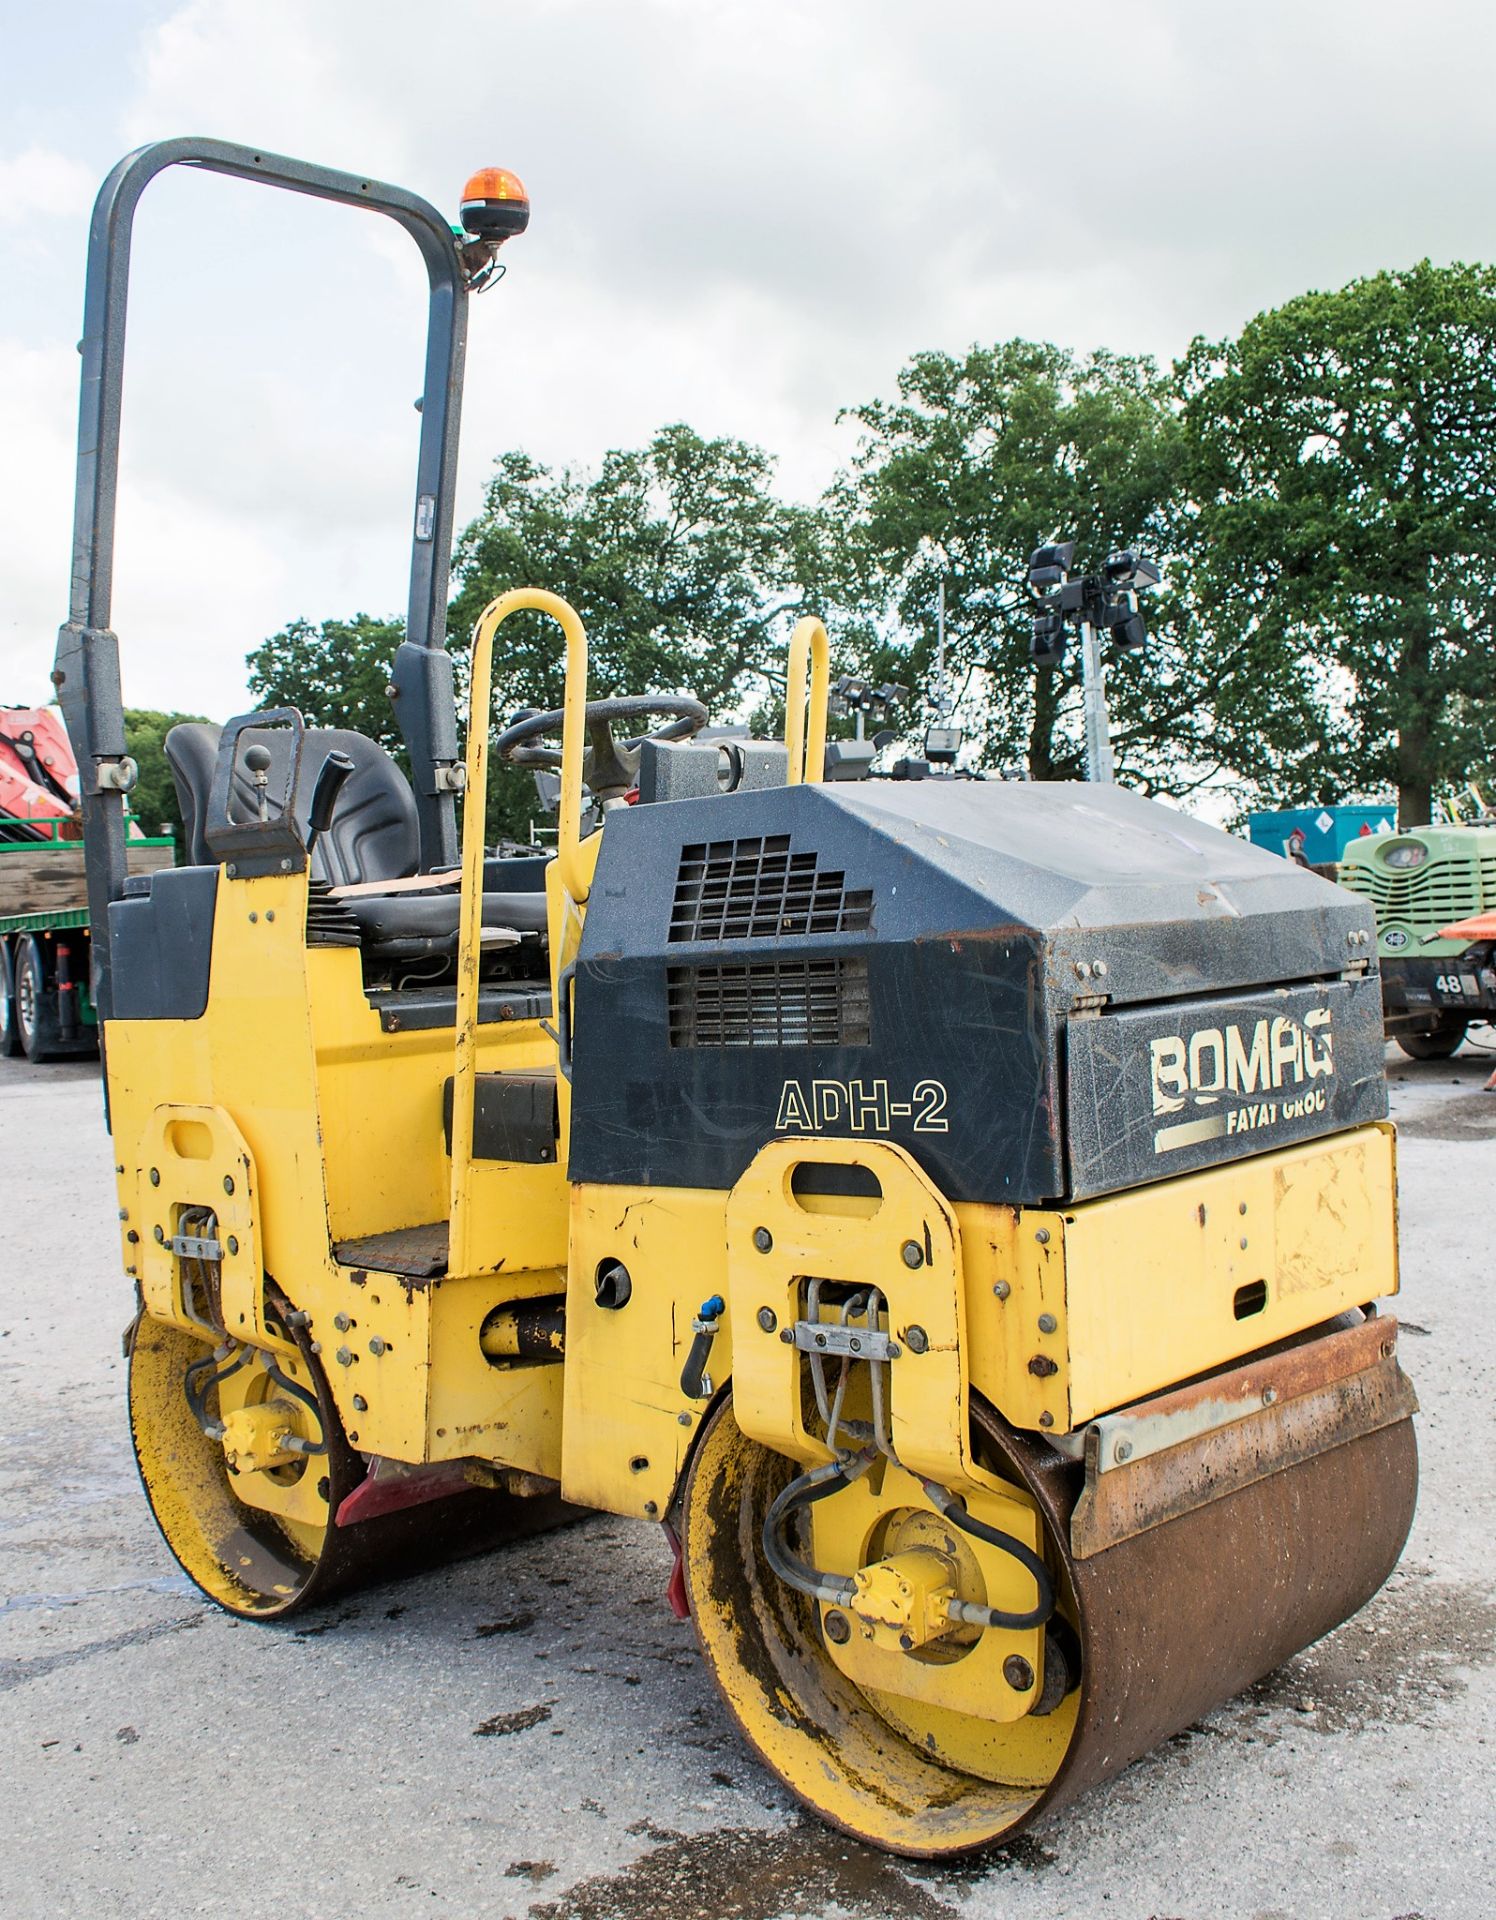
[1423, 883]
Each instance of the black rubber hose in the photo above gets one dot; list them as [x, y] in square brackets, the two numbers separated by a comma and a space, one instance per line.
[804, 1492]
[307, 1400]
[954, 1510]
[198, 1402]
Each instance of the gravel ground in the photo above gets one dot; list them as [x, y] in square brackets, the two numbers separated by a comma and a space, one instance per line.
[532, 1734]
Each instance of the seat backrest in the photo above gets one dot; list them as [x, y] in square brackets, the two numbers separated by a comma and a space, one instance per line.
[191, 750]
[373, 833]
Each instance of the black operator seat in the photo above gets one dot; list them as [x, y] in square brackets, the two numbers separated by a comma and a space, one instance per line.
[372, 838]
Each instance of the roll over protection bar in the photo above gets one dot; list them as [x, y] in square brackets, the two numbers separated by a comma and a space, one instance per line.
[87, 665]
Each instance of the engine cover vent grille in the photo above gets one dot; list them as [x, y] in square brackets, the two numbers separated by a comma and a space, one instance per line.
[774, 1003]
[760, 890]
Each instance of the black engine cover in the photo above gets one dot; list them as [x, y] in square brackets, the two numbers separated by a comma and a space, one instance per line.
[1042, 991]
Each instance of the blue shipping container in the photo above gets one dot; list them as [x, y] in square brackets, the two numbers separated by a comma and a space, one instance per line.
[1327, 831]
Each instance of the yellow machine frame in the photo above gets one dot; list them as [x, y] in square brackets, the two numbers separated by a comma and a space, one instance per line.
[335, 1135]
[971, 1504]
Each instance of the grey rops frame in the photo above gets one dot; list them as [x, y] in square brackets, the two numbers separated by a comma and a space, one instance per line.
[87, 667]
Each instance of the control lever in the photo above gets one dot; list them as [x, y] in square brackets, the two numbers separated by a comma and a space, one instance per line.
[257, 766]
[334, 771]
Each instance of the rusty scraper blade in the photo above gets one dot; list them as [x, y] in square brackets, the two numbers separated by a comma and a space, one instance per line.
[1153, 1462]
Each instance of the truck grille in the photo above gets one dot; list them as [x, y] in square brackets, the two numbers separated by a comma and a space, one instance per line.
[776, 1003]
[1430, 896]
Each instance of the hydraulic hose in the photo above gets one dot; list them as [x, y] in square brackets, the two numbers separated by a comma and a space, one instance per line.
[954, 1510]
[197, 1398]
[834, 1588]
[307, 1399]
[840, 1590]
[198, 1401]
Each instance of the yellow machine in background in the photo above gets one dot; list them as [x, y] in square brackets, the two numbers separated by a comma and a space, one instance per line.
[953, 1210]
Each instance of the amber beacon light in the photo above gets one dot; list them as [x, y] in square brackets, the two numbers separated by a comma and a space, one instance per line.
[495, 206]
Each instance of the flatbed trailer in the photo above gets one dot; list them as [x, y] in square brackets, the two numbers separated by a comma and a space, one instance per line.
[46, 1007]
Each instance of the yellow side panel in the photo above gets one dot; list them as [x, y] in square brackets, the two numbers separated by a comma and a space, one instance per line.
[519, 1216]
[331, 1128]
[249, 1055]
[380, 1097]
[1154, 1290]
[511, 1413]
[1014, 1261]
[1149, 1288]
[625, 1437]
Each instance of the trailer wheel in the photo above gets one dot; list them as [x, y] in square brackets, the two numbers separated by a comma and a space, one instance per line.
[10, 1037]
[30, 991]
[1434, 1043]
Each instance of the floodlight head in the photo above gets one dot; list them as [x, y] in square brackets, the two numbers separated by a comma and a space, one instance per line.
[849, 693]
[1129, 568]
[1047, 643]
[1131, 634]
[1049, 565]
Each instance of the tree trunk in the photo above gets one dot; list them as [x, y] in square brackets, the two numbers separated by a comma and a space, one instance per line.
[1041, 764]
[1422, 702]
[1415, 802]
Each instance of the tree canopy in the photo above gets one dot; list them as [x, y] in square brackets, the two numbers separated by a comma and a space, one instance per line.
[336, 674]
[980, 460]
[682, 562]
[1320, 490]
[154, 799]
[1343, 557]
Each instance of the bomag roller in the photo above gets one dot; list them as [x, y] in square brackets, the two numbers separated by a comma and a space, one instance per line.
[953, 1211]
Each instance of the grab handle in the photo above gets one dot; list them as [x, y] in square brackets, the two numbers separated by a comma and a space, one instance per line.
[475, 807]
[809, 645]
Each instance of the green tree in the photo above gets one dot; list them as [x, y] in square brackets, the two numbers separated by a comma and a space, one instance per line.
[335, 674]
[680, 559]
[1344, 551]
[682, 562]
[979, 460]
[154, 801]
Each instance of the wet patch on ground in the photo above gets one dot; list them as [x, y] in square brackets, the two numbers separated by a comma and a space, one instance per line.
[16, 1672]
[532, 1870]
[1025, 1854]
[1399, 1659]
[1464, 1116]
[176, 1585]
[749, 1874]
[344, 1617]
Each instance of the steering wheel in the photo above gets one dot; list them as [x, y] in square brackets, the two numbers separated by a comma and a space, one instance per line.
[608, 768]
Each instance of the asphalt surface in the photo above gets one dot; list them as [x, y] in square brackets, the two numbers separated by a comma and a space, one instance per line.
[532, 1734]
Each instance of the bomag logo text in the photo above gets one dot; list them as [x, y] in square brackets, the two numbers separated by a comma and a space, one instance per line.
[1268, 1057]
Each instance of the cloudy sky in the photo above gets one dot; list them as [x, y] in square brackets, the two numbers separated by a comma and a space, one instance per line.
[745, 216]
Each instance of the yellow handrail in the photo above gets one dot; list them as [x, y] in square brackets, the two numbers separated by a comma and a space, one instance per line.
[807, 746]
[475, 806]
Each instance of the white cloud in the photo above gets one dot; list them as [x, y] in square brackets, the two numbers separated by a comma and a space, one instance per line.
[746, 216]
[40, 184]
[38, 395]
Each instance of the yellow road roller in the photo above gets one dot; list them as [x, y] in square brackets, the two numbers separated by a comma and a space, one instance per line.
[954, 1211]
